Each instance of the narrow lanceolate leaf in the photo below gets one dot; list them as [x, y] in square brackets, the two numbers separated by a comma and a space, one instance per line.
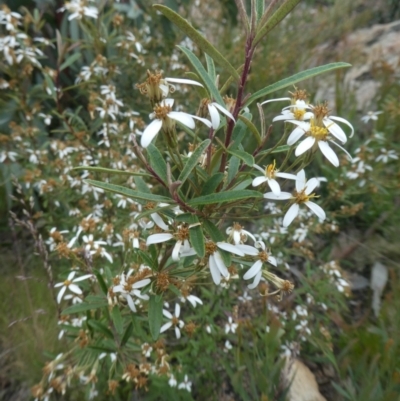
[246, 157]
[197, 38]
[253, 129]
[208, 82]
[223, 197]
[130, 193]
[84, 307]
[197, 240]
[211, 67]
[260, 8]
[239, 131]
[276, 18]
[127, 334]
[232, 169]
[301, 76]
[101, 328]
[212, 184]
[157, 162]
[110, 171]
[117, 319]
[187, 218]
[70, 60]
[278, 149]
[212, 230]
[155, 315]
[192, 161]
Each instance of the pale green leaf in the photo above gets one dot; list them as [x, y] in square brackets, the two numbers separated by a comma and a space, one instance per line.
[130, 193]
[157, 162]
[83, 307]
[197, 38]
[117, 319]
[253, 129]
[109, 171]
[193, 161]
[301, 76]
[242, 155]
[70, 60]
[155, 315]
[223, 197]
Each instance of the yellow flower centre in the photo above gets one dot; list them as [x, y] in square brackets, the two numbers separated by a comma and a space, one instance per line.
[175, 321]
[67, 283]
[299, 114]
[161, 112]
[270, 170]
[182, 233]
[302, 197]
[263, 256]
[211, 248]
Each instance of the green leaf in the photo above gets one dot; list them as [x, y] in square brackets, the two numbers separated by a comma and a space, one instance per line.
[203, 75]
[246, 157]
[192, 161]
[197, 240]
[301, 76]
[130, 193]
[110, 171]
[157, 162]
[213, 231]
[70, 60]
[187, 218]
[141, 185]
[83, 307]
[232, 169]
[239, 132]
[212, 184]
[279, 149]
[276, 18]
[127, 334]
[197, 38]
[253, 129]
[155, 315]
[222, 197]
[211, 67]
[260, 8]
[117, 319]
[100, 327]
[101, 282]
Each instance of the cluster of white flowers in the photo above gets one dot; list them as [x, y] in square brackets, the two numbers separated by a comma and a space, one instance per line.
[334, 272]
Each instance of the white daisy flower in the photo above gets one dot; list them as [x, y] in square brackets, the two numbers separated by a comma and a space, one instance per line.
[238, 234]
[259, 251]
[371, 115]
[70, 284]
[319, 130]
[303, 194]
[231, 326]
[214, 109]
[174, 321]
[186, 385]
[270, 173]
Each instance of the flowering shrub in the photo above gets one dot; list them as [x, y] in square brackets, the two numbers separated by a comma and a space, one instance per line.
[158, 197]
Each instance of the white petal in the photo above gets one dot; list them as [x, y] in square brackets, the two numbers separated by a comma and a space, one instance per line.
[288, 176]
[344, 150]
[248, 250]
[216, 275]
[175, 251]
[215, 118]
[184, 118]
[258, 181]
[259, 168]
[291, 214]
[286, 116]
[167, 314]
[75, 289]
[281, 196]
[165, 327]
[177, 310]
[316, 209]
[335, 130]
[177, 333]
[229, 248]
[304, 145]
[82, 277]
[275, 188]
[131, 304]
[257, 279]
[203, 120]
[328, 153]
[150, 132]
[223, 110]
[295, 135]
[157, 238]
[342, 120]
[159, 221]
[141, 283]
[275, 100]
[71, 275]
[300, 180]
[272, 260]
[253, 270]
[220, 264]
[311, 185]
[183, 81]
[60, 294]
[168, 102]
